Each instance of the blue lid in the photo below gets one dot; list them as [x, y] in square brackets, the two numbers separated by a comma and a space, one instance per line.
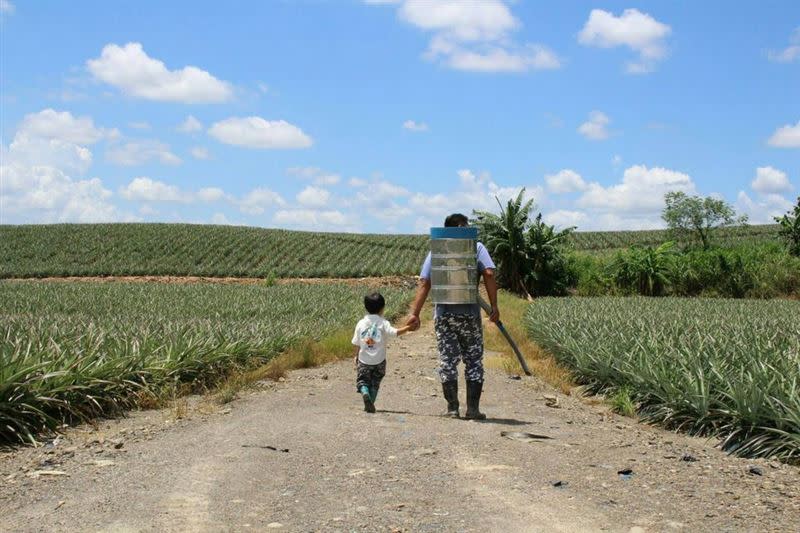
[454, 233]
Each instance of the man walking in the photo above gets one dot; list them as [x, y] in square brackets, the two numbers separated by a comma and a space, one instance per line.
[459, 335]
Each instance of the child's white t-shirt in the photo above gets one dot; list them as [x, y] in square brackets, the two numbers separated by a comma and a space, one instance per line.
[370, 336]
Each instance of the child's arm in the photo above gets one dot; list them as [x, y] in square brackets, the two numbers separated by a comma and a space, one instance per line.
[404, 329]
[356, 346]
[394, 332]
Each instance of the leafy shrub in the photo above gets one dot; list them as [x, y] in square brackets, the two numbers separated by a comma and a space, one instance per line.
[529, 253]
[644, 271]
[790, 229]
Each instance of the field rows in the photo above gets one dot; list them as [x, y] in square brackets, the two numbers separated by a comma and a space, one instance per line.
[227, 251]
[724, 367]
[604, 241]
[76, 351]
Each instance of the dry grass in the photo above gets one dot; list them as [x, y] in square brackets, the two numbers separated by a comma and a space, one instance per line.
[543, 365]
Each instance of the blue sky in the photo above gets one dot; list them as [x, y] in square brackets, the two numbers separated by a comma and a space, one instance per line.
[386, 116]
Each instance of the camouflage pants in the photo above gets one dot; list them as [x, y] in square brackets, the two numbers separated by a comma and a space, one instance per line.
[370, 375]
[459, 338]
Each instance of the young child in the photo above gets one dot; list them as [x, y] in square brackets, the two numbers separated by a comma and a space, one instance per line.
[369, 339]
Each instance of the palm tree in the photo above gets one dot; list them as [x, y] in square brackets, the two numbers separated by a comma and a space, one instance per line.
[526, 253]
[504, 237]
[548, 272]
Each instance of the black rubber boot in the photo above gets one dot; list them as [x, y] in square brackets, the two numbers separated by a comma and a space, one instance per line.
[450, 390]
[474, 389]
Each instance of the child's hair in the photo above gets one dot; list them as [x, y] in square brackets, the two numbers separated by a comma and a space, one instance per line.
[455, 220]
[374, 303]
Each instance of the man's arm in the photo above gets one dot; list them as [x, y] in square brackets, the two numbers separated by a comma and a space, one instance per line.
[491, 290]
[423, 289]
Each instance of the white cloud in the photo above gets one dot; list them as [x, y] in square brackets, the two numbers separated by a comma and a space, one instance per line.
[595, 128]
[142, 125]
[638, 31]
[477, 20]
[190, 125]
[37, 168]
[474, 192]
[790, 53]
[61, 125]
[6, 7]
[37, 152]
[770, 180]
[415, 126]
[148, 210]
[221, 220]
[380, 199]
[144, 189]
[384, 189]
[263, 87]
[258, 200]
[565, 181]
[314, 197]
[786, 137]
[314, 174]
[475, 36]
[41, 194]
[564, 218]
[140, 152]
[198, 152]
[136, 74]
[641, 192]
[309, 219]
[496, 59]
[211, 194]
[616, 160]
[255, 132]
[764, 209]
[357, 182]
[148, 190]
[622, 222]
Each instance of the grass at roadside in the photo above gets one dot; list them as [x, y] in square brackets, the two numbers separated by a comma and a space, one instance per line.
[542, 364]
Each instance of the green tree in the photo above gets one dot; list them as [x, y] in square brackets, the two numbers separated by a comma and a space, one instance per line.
[644, 270]
[527, 253]
[697, 216]
[549, 271]
[790, 228]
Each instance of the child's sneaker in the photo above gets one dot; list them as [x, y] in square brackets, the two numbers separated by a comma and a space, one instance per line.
[369, 406]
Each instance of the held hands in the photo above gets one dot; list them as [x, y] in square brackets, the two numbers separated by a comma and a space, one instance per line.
[413, 322]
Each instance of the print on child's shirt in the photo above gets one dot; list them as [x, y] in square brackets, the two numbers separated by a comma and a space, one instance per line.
[371, 336]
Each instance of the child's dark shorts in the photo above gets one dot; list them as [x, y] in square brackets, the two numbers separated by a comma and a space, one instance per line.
[370, 375]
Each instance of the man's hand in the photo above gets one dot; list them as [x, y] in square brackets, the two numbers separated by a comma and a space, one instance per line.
[413, 322]
[495, 316]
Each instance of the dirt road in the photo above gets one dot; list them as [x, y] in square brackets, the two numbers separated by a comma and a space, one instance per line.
[402, 469]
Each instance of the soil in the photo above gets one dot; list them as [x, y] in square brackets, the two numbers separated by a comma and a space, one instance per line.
[302, 455]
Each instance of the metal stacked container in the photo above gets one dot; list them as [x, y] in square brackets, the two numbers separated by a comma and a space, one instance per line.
[454, 265]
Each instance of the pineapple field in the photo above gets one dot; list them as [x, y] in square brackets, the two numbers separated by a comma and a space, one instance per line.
[59, 250]
[728, 368]
[75, 351]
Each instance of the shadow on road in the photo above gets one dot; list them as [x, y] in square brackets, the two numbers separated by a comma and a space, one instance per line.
[505, 421]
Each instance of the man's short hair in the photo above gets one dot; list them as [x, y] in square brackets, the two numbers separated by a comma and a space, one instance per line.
[455, 220]
[374, 303]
